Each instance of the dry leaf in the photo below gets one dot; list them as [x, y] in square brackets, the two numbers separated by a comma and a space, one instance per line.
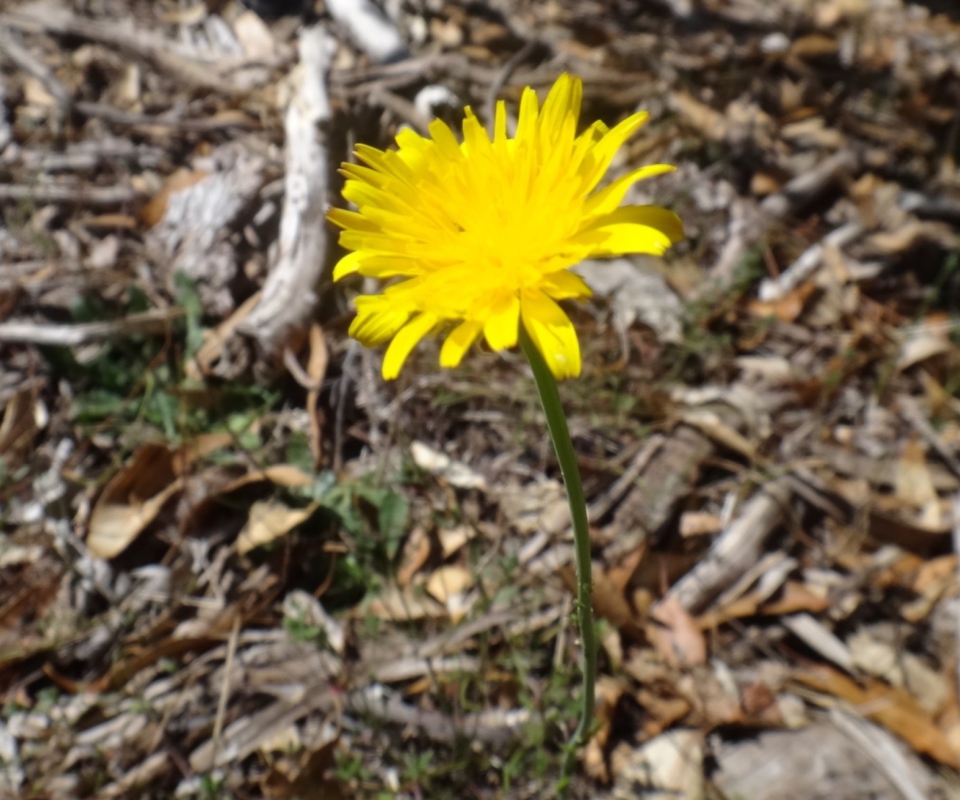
[892, 708]
[714, 697]
[444, 467]
[450, 580]
[813, 46]
[707, 120]
[710, 424]
[669, 767]
[763, 184]
[914, 231]
[216, 343]
[19, 426]
[416, 551]
[699, 523]
[795, 597]
[677, 637]
[132, 499]
[608, 692]
[316, 370]
[269, 520]
[914, 486]
[786, 308]
[255, 37]
[215, 489]
[182, 179]
[405, 605]
[452, 539]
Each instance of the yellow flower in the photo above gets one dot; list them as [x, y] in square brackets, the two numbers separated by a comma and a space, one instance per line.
[484, 232]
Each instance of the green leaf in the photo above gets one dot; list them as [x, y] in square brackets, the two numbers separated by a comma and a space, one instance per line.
[392, 517]
[188, 298]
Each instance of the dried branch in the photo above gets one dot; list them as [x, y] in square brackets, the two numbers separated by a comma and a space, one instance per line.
[86, 195]
[157, 321]
[735, 549]
[151, 47]
[369, 29]
[289, 294]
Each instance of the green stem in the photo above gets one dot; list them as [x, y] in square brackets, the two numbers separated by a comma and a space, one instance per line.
[567, 458]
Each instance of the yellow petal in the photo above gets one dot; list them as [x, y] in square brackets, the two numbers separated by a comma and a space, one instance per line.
[458, 342]
[475, 138]
[565, 285]
[373, 266]
[500, 123]
[387, 162]
[405, 340]
[598, 159]
[661, 219]
[561, 107]
[500, 328]
[608, 198]
[347, 265]
[350, 220]
[650, 216]
[446, 142]
[364, 175]
[409, 139]
[375, 322]
[527, 123]
[632, 229]
[395, 244]
[618, 240]
[552, 333]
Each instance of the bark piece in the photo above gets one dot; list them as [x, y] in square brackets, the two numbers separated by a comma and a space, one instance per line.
[669, 476]
[810, 764]
[369, 29]
[289, 294]
[736, 549]
[194, 234]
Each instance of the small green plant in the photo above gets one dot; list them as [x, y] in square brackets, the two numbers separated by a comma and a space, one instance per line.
[213, 787]
[349, 768]
[418, 767]
[300, 630]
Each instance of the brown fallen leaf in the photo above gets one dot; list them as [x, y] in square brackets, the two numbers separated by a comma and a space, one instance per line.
[662, 712]
[608, 601]
[270, 520]
[814, 45]
[609, 691]
[452, 539]
[316, 370]
[712, 703]
[891, 528]
[914, 486]
[132, 499]
[217, 343]
[676, 634]
[405, 605]
[154, 210]
[795, 597]
[894, 709]
[450, 580]
[787, 308]
[18, 426]
[416, 551]
[216, 489]
[792, 598]
[708, 121]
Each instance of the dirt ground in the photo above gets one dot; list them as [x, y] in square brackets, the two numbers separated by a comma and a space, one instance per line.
[235, 563]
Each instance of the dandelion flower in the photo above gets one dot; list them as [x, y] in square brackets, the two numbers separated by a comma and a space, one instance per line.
[482, 233]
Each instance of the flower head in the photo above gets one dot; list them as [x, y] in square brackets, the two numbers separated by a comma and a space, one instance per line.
[483, 232]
